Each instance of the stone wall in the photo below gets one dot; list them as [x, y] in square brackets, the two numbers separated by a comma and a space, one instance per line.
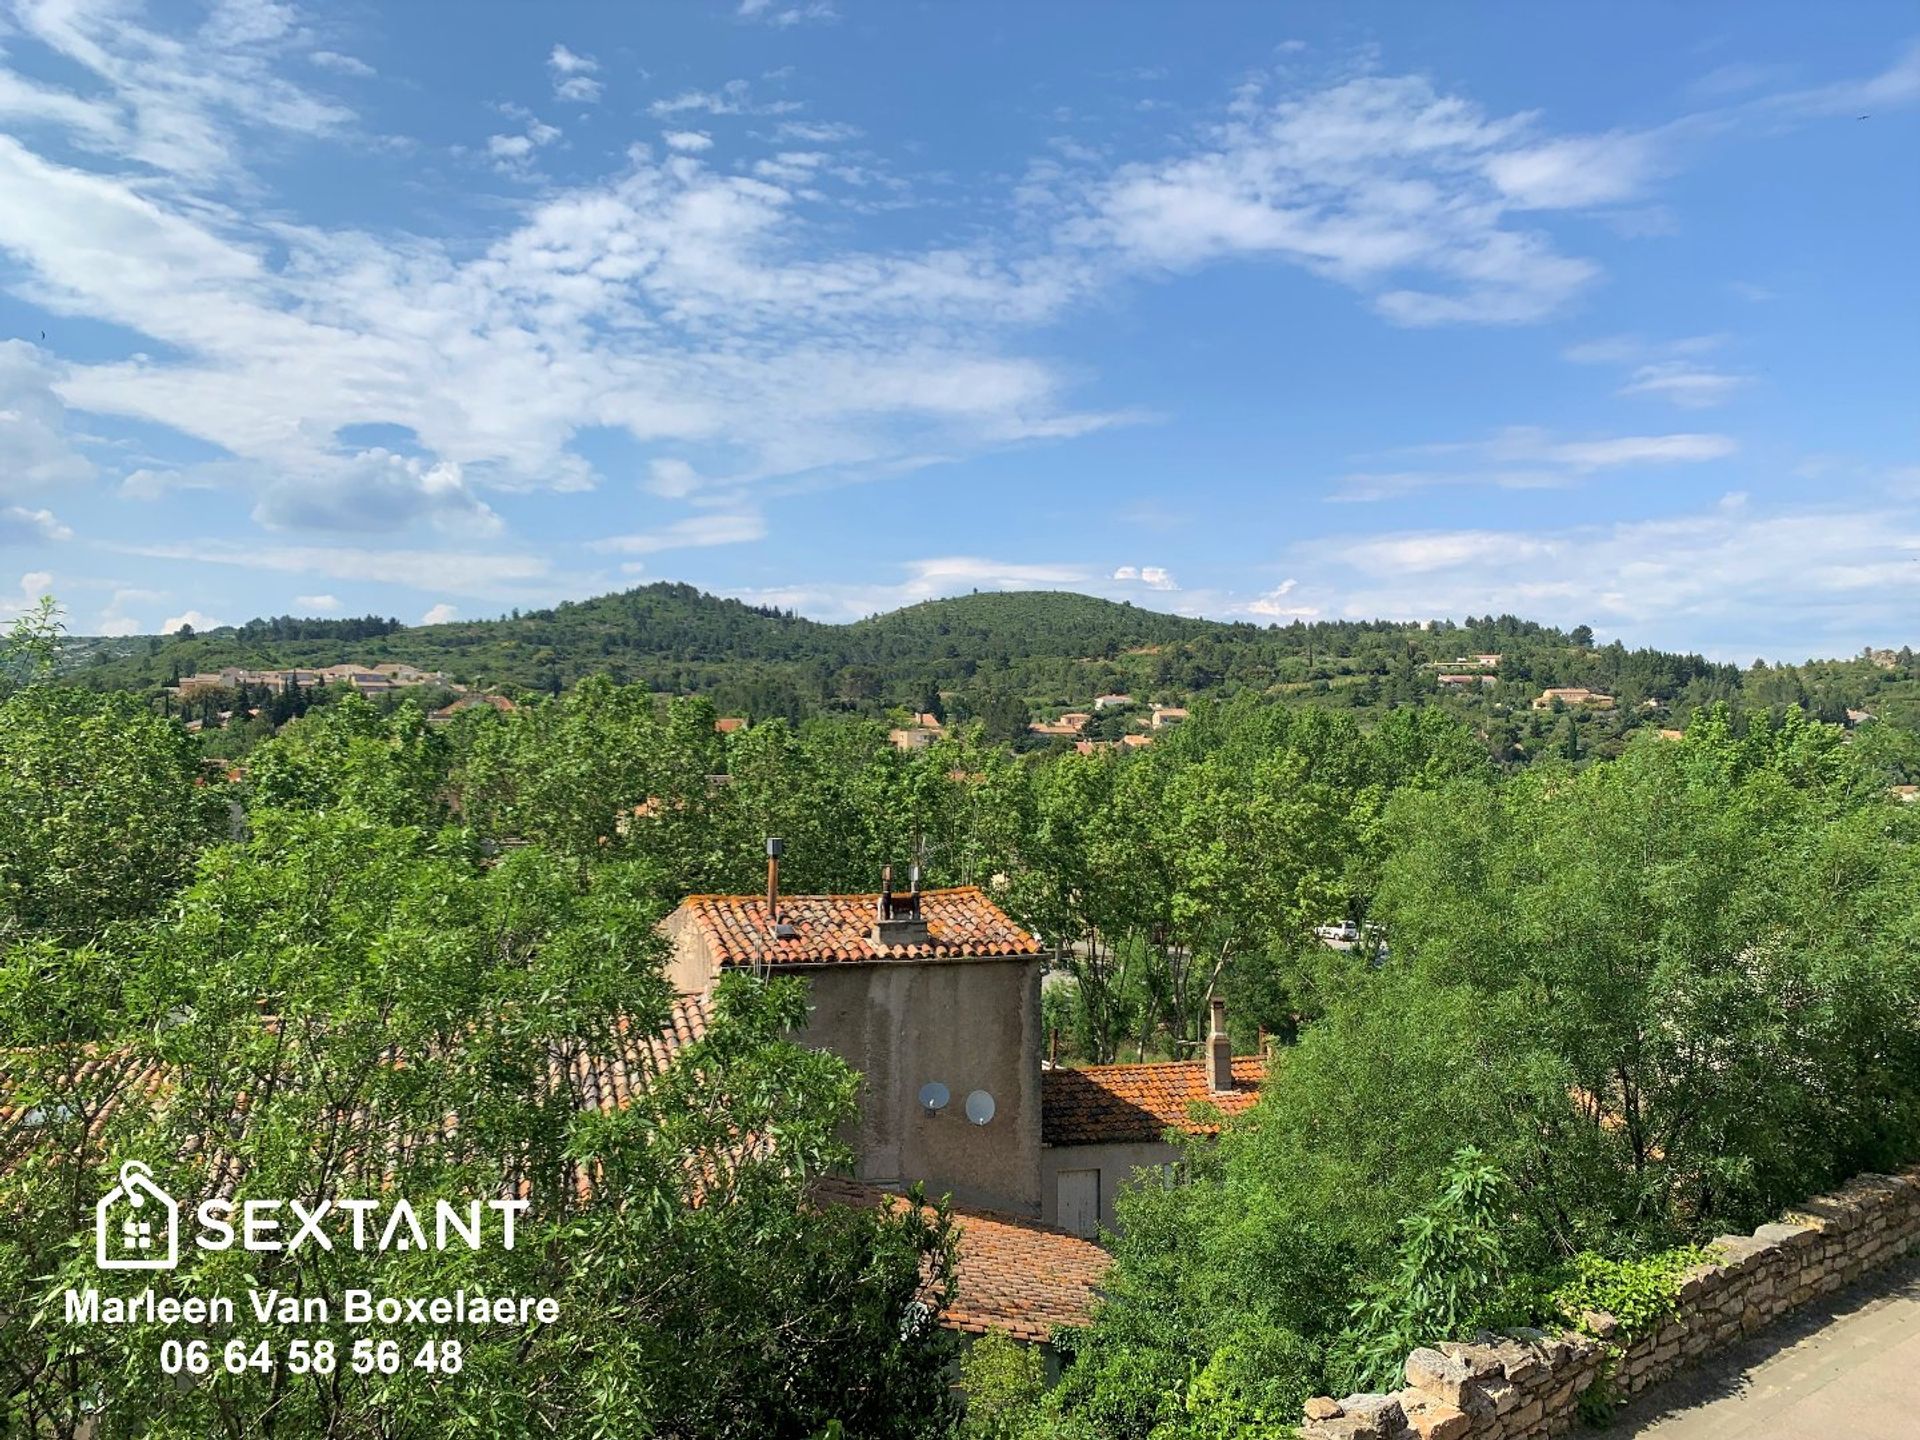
[1528, 1384]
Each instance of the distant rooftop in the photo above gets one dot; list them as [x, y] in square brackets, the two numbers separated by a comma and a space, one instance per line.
[1120, 1104]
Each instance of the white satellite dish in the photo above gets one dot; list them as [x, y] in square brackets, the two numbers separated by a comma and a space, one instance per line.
[933, 1097]
[979, 1107]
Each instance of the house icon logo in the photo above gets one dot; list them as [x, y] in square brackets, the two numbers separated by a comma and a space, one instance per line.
[136, 1225]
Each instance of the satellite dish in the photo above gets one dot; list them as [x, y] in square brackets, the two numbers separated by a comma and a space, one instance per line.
[933, 1097]
[979, 1107]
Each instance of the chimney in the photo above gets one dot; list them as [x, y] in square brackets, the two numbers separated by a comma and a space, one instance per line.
[897, 919]
[774, 847]
[1219, 1051]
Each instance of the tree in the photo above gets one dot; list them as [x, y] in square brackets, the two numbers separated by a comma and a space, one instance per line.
[32, 646]
[327, 997]
[102, 812]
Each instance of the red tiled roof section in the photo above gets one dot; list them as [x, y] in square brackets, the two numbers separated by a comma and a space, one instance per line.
[1117, 1104]
[961, 922]
[1022, 1277]
[609, 1075]
[1012, 1274]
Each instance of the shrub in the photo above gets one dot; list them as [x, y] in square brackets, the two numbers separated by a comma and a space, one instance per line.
[1450, 1275]
[1006, 1385]
[1638, 1293]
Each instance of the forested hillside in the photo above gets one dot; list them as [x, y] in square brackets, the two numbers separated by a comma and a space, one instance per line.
[1008, 658]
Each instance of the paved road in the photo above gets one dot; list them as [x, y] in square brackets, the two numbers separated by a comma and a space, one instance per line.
[1848, 1368]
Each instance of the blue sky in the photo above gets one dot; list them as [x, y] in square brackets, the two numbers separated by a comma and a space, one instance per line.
[1592, 313]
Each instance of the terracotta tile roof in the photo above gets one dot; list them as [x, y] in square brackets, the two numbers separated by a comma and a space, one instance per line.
[602, 1075]
[727, 724]
[1119, 1104]
[1014, 1274]
[608, 1076]
[961, 922]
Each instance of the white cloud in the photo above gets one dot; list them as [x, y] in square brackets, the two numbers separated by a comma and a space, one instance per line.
[36, 448]
[326, 604]
[1381, 183]
[782, 16]
[1154, 577]
[373, 492]
[1669, 370]
[672, 478]
[117, 625]
[689, 142]
[1691, 387]
[1843, 575]
[1575, 173]
[498, 575]
[197, 619]
[513, 154]
[20, 526]
[1275, 604]
[33, 586]
[693, 532]
[341, 64]
[733, 98]
[439, 614]
[573, 76]
[1528, 458]
[172, 102]
[816, 132]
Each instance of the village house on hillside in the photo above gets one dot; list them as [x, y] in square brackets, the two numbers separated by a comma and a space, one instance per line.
[934, 997]
[1573, 695]
[366, 679]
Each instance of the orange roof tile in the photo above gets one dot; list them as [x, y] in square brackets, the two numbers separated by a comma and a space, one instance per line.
[1013, 1274]
[1118, 1104]
[607, 1075]
[961, 922]
[727, 724]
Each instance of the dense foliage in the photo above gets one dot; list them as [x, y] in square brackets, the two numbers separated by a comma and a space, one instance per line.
[1600, 1006]
[1659, 998]
[357, 999]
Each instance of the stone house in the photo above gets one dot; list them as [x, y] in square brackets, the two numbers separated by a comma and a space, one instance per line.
[934, 997]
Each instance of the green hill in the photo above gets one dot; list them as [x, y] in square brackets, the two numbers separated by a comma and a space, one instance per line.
[1007, 657]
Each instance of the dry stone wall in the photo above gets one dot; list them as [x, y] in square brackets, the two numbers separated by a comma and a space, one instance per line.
[1528, 1384]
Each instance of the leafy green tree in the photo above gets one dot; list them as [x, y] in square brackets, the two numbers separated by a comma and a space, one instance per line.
[344, 1007]
[102, 811]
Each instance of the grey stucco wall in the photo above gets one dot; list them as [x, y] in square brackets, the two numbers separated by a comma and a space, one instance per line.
[969, 1024]
[1117, 1165]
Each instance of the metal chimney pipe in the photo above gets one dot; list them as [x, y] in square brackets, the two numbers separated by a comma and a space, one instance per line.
[886, 891]
[774, 847]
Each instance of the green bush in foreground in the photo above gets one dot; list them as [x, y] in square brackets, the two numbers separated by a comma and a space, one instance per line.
[1638, 1293]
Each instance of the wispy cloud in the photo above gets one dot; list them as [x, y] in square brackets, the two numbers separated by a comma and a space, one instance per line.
[693, 532]
[1527, 458]
[21, 526]
[341, 64]
[1668, 370]
[733, 98]
[573, 76]
[501, 575]
[1692, 387]
[783, 15]
[1853, 574]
